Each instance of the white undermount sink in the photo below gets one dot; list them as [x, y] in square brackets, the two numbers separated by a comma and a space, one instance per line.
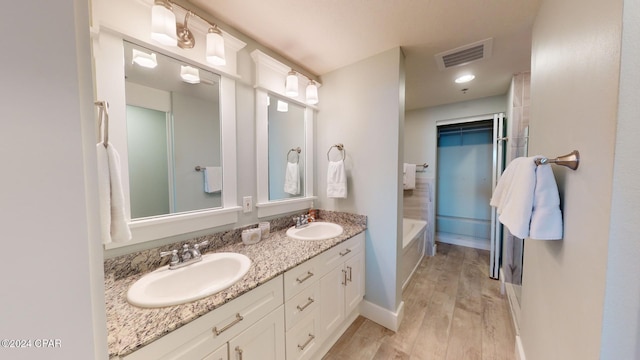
[164, 287]
[316, 230]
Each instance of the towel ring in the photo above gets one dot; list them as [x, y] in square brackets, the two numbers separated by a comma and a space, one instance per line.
[297, 151]
[339, 147]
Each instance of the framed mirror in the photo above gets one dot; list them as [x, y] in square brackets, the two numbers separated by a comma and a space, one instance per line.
[173, 134]
[286, 143]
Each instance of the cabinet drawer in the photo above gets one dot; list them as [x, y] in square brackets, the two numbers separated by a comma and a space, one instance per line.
[303, 339]
[300, 277]
[302, 304]
[207, 333]
[340, 253]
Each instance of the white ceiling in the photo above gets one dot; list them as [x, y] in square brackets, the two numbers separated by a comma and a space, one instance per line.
[324, 35]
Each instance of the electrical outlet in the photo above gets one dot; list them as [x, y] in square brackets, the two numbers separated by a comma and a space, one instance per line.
[247, 205]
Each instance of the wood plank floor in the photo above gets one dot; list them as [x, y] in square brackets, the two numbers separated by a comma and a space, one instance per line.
[453, 311]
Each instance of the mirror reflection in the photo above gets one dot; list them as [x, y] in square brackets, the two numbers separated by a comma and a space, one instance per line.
[173, 127]
[286, 149]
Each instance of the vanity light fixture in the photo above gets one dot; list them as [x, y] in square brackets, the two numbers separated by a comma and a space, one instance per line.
[465, 78]
[189, 74]
[185, 36]
[163, 23]
[143, 59]
[291, 84]
[215, 46]
[282, 106]
[312, 93]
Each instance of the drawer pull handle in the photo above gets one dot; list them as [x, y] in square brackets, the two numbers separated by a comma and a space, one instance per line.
[301, 308]
[239, 352]
[344, 272]
[309, 340]
[237, 320]
[345, 252]
[309, 274]
[349, 278]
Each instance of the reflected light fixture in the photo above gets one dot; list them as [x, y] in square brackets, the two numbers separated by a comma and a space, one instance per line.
[143, 59]
[465, 78]
[312, 93]
[189, 74]
[282, 106]
[163, 23]
[291, 84]
[215, 46]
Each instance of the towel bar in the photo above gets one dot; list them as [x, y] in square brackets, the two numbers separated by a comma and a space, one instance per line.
[103, 121]
[571, 160]
[339, 147]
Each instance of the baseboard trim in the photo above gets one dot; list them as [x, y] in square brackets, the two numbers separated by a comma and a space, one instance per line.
[519, 349]
[462, 240]
[387, 318]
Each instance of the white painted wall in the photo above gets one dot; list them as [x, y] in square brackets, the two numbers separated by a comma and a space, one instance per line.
[621, 322]
[51, 264]
[574, 101]
[361, 108]
[421, 136]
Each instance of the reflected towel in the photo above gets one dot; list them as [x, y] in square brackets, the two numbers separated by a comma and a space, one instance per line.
[292, 179]
[336, 180]
[212, 179]
[113, 219]
[409, 177]
[527, 200]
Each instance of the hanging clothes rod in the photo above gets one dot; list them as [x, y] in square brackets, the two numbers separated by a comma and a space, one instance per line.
[297, 150]
[339, 147]
[571, 160]
[103, 122]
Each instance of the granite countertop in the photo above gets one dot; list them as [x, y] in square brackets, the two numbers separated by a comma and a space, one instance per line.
[131, 327]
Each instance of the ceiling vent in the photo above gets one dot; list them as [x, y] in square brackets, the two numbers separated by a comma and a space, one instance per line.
[465, 54]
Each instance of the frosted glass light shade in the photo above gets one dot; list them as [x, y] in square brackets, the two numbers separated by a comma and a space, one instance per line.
[163, 24]
[143, 59]
[312, 93]
[291, 84]
[282, 106]
[189, 74]
[215, 47]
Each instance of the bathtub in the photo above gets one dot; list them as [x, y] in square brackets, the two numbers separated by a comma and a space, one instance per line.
[413, 245]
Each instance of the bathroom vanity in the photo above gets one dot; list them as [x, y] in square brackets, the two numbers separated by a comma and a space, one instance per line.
[294, 303]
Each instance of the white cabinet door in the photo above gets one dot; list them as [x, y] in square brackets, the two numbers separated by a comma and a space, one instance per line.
[264, 340]
[354, 291]
[332, 300]
[221, 354]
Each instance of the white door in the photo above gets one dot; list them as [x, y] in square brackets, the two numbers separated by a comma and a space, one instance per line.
[332, 300]
[355, 282]
[498, 166]
[264, 340]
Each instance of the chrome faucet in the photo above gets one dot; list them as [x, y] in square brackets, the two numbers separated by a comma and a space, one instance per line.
[301, 221]
[188, 256]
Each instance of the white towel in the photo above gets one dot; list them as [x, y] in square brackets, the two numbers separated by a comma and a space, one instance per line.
[527, 200]
[114, 223]
[409, 177]
[212, 179]
[292, 179]
[336, 180]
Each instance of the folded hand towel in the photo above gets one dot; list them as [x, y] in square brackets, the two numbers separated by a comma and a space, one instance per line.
[292, 179]
[336, 180]
[114, 222]
[212, 179]
[409, 176]
[527, 200]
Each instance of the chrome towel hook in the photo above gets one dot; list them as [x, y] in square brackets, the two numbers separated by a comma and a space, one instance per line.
[571, 160]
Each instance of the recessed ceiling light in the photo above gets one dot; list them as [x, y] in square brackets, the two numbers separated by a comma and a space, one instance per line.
[465, 78]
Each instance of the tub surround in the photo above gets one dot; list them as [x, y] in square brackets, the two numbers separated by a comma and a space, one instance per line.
[131, 328]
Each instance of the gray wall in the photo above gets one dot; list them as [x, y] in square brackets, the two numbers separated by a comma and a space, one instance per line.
[574, 104]
[363, 108]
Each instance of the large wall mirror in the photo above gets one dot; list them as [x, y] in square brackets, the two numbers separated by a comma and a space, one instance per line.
[286, 139]
[173, 134]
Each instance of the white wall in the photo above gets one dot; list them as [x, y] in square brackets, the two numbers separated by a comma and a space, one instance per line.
[51, 263]
[361, 108]
[574, 94]
[621, 323]
[421, 136]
